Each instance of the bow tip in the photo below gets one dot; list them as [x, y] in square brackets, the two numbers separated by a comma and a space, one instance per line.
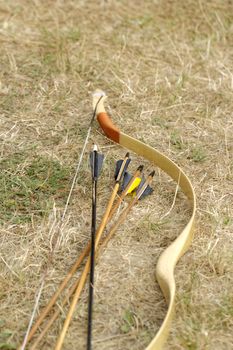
[98, 98]
[99, 93]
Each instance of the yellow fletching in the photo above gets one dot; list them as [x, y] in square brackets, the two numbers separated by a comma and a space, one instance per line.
[134, 185]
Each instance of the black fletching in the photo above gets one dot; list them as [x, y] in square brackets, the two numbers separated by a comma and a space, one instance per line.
[118, 167]
[96, 163]
[147, 192]
[126, 180]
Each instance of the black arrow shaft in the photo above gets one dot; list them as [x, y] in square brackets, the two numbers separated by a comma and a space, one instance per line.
[95, 173]
[92, 267]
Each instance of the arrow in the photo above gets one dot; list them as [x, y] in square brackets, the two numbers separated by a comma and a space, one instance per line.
[143, 191]
[121, 168]
[127, 187]
[73, 269]
[77, 292]
[96, 162]
[103, 244]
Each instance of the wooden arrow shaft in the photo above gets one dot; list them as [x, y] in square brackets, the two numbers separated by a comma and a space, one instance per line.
[85, 271]
[75, 285]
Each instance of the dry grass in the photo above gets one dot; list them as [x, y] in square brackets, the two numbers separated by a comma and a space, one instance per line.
[167, 68]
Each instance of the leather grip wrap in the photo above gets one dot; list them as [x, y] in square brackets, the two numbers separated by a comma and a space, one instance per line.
[110, 130]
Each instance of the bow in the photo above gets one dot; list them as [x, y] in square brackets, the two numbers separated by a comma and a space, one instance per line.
[169, 258]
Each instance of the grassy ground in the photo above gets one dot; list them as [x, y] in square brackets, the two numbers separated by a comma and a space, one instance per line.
[167, 68]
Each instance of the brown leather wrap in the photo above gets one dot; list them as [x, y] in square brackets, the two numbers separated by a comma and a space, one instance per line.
[110, 130]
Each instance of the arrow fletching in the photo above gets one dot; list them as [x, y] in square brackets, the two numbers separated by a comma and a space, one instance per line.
[147, 192]
[126, 180]
[148, 189]
[96, 162]
[121, 167]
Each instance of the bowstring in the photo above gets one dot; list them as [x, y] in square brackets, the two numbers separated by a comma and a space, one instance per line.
[55, 239]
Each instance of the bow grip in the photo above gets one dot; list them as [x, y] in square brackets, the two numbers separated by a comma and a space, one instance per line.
[110, 130]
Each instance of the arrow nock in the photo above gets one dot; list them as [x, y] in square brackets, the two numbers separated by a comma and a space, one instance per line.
[144, 188]
[121, 167]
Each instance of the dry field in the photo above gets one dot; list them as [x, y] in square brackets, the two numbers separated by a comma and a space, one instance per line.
[167, 67]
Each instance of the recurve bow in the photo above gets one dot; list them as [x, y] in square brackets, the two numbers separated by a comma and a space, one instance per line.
[170, 256]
